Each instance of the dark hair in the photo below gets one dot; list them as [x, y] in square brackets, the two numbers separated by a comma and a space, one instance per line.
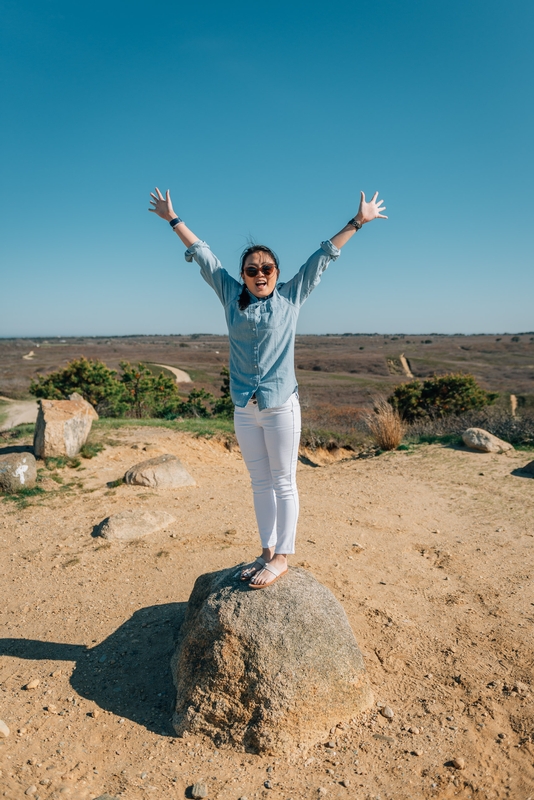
[244, 297]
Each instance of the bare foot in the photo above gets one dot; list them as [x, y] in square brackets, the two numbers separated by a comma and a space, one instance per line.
[252, 569]
[264, 577]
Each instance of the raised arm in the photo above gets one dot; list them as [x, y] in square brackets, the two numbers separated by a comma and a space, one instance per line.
[366, 213]
[162, 206]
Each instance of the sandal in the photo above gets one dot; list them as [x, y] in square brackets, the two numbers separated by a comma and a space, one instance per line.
[248, 572]
[274, 571]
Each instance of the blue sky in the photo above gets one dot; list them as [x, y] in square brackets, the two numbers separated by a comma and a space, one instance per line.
[265, 121]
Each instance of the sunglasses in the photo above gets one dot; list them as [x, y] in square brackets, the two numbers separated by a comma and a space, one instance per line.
[265, 269]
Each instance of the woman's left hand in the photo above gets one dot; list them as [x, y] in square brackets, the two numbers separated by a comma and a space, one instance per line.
[370, 210]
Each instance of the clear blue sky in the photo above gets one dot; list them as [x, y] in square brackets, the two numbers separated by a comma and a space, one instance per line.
[265, 120]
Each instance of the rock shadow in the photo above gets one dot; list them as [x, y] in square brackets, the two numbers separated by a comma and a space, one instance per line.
[522, 473]
[128, 673]
[16, 448]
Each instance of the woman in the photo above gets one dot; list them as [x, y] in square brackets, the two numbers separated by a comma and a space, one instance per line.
[262, 317]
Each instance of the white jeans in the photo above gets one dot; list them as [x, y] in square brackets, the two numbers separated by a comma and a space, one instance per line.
[269, 442]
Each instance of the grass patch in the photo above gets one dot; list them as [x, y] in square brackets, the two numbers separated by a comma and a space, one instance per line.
[60, 462]
[444, 439]
[212, 426]
[23, 431]
[71, 562]
[21, 498]
[91, 449]
[114, 484]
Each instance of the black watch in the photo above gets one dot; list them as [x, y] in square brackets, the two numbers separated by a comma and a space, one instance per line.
[355, 224]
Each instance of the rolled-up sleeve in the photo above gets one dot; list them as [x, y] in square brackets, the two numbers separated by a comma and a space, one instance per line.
[298, 289]
[212, 271]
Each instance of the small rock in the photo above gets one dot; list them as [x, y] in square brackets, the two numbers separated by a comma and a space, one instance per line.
[33, 684]
[133, 523]
[17, 471]
[4, 730]
[51, 709]
[458, 763]
[345, 782]
[56, 673]
[144, 775]
[357, 546]
[321, 790]
[164, 471]
[62, 426]
[95, 713]
[418, 752]
[105, 796]
[331, 745]
[479, 439]
[413, 730]
[267, 784]
[44, 782]
[387, 712]
[31, 789]
[429, 675]
[501, 735]
[200, 790]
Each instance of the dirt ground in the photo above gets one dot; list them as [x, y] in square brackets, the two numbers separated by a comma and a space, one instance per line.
[429, 550]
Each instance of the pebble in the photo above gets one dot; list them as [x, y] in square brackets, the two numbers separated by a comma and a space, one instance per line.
[4, 730]
[345, 782]
[45, 782]
[321, 790]
[458, 763]
[387, 712]
[144, 775]
[429, 675]
[51, 709]
[413, 730]
[31, 789]
[200, 790]
[268, 784]
[95, 713]
[418, 752]
[33, 684]
[331, 745]
[243, 797]
[56, 673]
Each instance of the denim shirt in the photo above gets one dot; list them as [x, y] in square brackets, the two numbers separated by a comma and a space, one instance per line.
[262, 336]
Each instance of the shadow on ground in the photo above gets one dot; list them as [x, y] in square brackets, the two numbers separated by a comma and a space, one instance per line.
[16, 448]
[128, 673]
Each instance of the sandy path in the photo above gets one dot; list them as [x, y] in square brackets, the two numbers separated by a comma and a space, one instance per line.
[17, 412]
[181, 376]
[440, 600]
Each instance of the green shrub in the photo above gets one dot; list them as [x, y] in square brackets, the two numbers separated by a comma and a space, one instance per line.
[91, 378]
[440, 396]
[134, 392]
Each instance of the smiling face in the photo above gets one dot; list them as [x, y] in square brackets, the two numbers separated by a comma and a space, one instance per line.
[260, 285]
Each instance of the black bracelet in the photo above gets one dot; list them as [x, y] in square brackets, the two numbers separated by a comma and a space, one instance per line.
[354, 222]
[174, 222]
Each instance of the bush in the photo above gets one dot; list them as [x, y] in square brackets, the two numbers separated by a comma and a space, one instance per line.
[385, 425]
[439, 396]
[135, 392]
[97, 384]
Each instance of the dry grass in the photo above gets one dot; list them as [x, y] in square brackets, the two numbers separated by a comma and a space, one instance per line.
[385, 425]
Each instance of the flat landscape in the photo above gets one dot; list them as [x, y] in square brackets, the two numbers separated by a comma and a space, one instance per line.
[336, 374]
[429, 550]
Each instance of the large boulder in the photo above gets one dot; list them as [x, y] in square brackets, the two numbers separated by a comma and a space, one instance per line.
[479, 439]
[266, 670]
[164, 472]
[133, 524]
[62, 426]
[17, 471]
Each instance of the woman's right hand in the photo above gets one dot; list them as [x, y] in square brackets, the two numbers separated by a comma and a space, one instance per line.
[162, 205]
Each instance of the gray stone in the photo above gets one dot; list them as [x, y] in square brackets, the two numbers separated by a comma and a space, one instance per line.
[164, 472]
[199, 790]
[17, 471]
[479, 439]
[134, 523]
[266, 671]
[62, 426]
[387, 712]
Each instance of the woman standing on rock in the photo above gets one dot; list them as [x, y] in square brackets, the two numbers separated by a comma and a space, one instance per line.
[262, 318]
